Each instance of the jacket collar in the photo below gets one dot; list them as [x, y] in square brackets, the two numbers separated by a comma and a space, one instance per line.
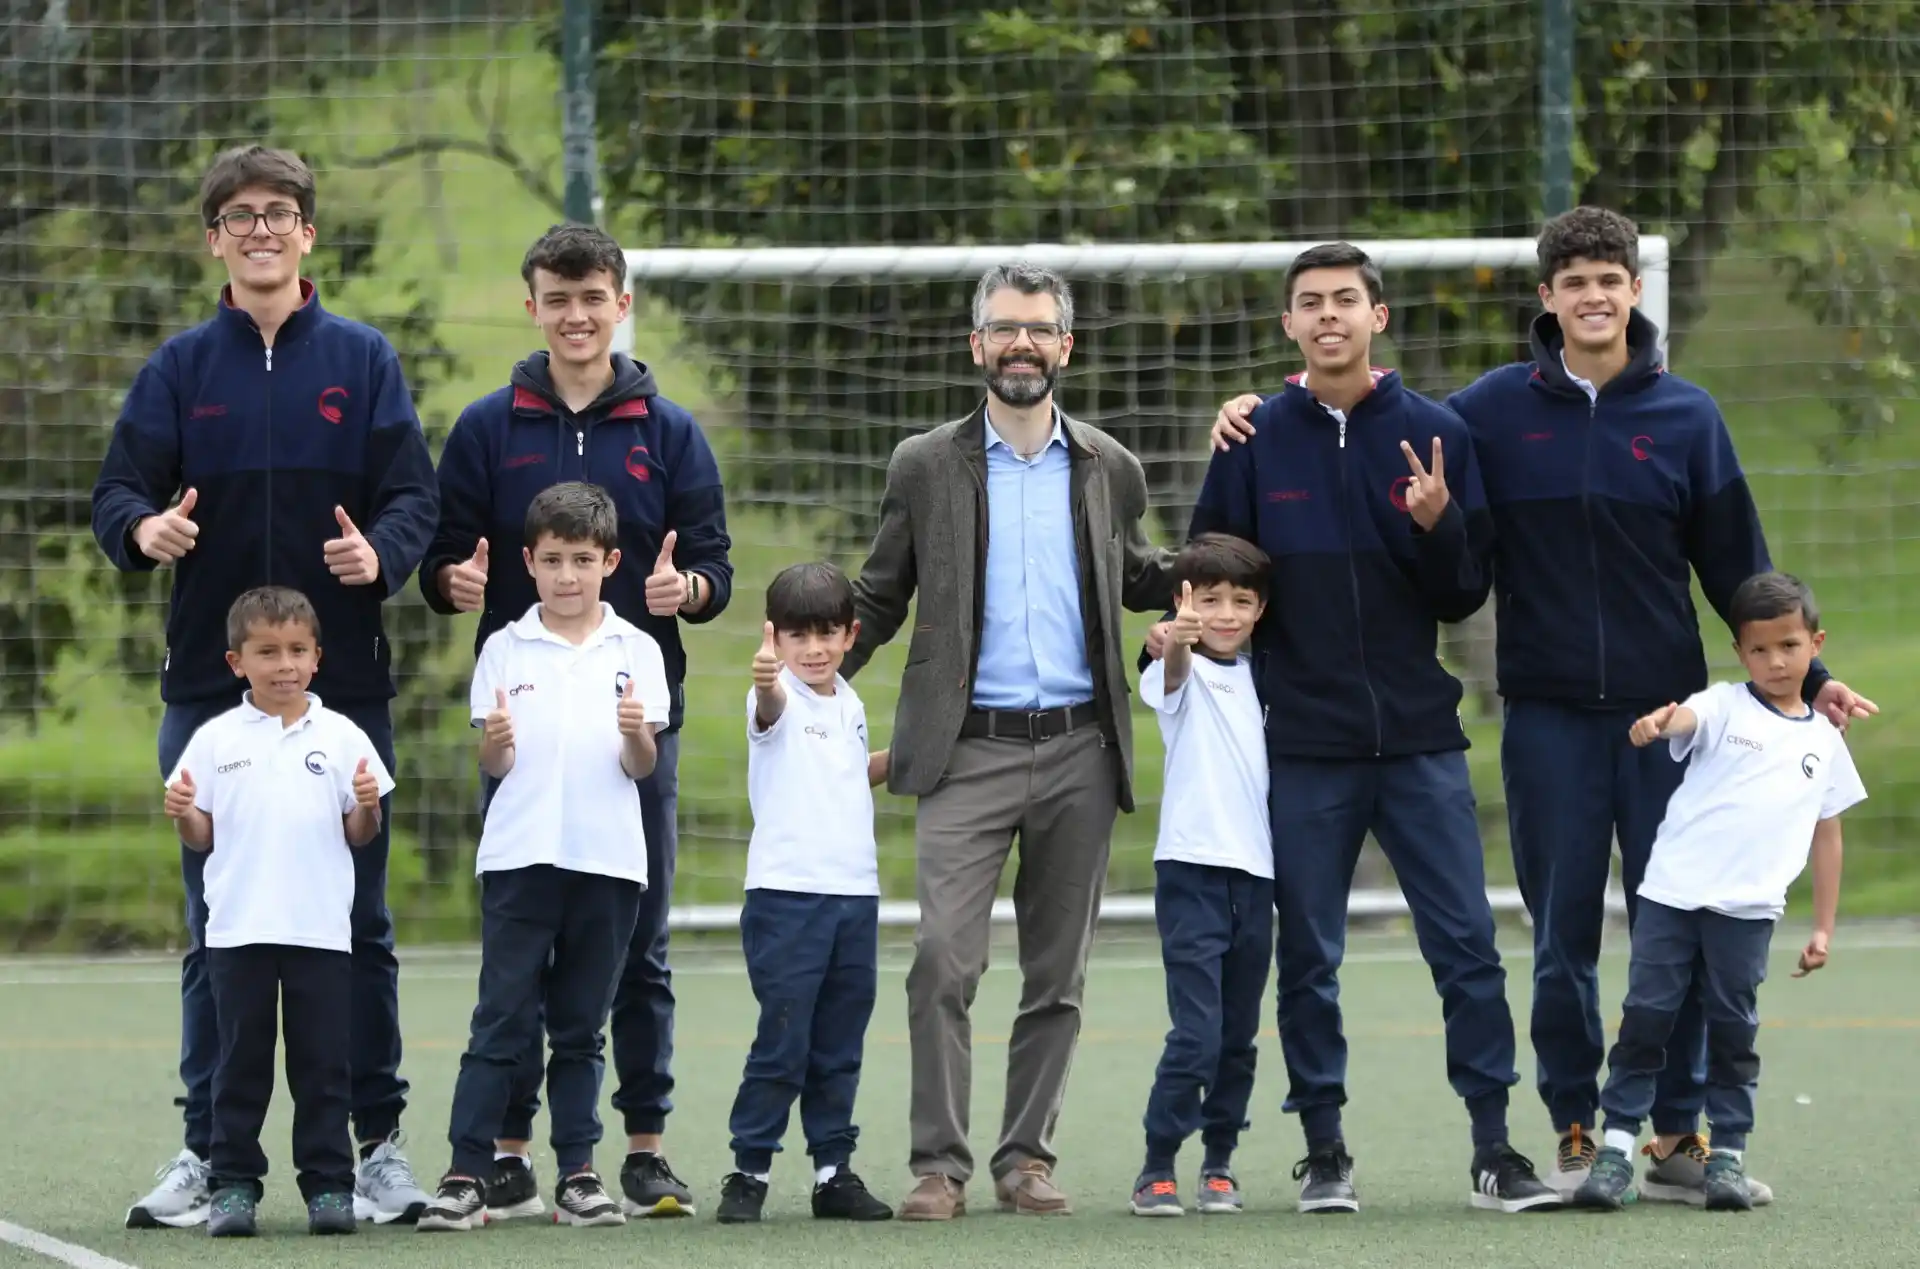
[1643, 355]
[297, 322]
[971, 435]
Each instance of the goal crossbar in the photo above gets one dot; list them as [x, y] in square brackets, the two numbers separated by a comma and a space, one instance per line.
[823, 265]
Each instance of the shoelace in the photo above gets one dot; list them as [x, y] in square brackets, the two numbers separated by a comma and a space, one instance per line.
[182, 1173]
[1327, 1166]
[584, 1188]
[1220, 1184]
[1577, 1150]
[1689, 1146]
[388, 1167]
[659, 1169]
[1162, 1188]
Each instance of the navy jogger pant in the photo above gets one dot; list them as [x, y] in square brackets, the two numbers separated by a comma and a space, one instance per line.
[1573, 783]
[1421, 811]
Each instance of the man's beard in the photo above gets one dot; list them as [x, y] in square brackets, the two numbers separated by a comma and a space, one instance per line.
[1022, 390]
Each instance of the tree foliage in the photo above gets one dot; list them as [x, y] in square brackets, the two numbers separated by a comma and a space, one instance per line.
[788, 122]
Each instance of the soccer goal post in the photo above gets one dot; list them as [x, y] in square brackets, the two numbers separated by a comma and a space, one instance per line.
[902, 309]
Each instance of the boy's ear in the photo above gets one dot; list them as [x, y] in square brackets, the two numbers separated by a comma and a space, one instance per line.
[526, 553]
[613, 562]
[853, 631]
[233, 662]
[1819, 640]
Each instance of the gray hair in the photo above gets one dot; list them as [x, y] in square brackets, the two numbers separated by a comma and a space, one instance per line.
[1028, 279]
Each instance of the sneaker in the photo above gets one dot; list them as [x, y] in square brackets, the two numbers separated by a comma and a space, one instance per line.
[1504, 1181]
[181, 1197]
[460, 1204]
[845, 1197]
[1681, 1177]
[231, 1214]
[741, 1198]
[651, 1188]
[581, 1199]
[1326, 1180]
[384, 1190]
[331, 1214]
[513, 1190]
[1219, 1193]
[1726, 1188]
[1609, 1183]
[1156, 1195]
[1573, 1161]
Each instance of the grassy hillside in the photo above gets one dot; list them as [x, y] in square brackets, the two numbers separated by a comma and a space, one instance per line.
[455, 227]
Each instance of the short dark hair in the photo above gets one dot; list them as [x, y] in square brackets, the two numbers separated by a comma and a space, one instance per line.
[1337, 255]
[1028, 279]
[1213, 558]
[574, 511]
[255, 167]
[269, 606]
[1766, 596]
[1589, 233]
[576, 252]
[810, 597]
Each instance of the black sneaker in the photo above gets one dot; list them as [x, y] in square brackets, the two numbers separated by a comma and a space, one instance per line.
[1156, 1194]
[1219, 1193]
[1609, 1183]
[331, 1214]
[459, 1204]
[1726, 1184]
[231, 1214]
[1573, 1160]
[741, 1198]
[1326, 1180]
[513, 1190]
[1504, 1181]
[651, 1188]
[844, 1197]
[580, 1199]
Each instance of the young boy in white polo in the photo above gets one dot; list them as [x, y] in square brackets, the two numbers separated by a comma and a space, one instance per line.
[810, 925]
[1767, 781]
[1213, 871]
[567, 698]
[280, 789]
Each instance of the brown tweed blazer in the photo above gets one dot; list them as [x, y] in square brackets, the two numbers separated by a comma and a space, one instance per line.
[933, 539]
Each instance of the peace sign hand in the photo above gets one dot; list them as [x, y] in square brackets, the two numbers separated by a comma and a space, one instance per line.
[1427, 495]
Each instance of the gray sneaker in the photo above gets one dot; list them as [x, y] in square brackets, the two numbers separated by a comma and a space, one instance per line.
[384, 1190]
[1156, 1195]
[181, 1198]
[1681, 1177]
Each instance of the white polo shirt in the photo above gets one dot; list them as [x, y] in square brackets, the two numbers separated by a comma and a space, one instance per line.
[812, 805]
[280, 870]
[1739, 828]
[1213, 809]
[566, 800]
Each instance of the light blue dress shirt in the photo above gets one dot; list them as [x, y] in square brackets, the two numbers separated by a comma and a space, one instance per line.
[1033, 639]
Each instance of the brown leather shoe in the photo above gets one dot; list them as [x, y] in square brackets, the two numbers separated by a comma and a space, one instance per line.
[1030, 1191]
[936, 1197]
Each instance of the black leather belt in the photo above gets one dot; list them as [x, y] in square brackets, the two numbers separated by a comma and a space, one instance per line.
[1033, 725]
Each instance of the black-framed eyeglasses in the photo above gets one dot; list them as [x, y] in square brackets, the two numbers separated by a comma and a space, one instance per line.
[1043, 334]
[280, 221]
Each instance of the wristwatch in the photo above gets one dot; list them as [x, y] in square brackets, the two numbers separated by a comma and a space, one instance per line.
[693, 587]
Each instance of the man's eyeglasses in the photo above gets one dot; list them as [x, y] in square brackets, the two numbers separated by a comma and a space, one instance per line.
[1043, 334]
[280, 221]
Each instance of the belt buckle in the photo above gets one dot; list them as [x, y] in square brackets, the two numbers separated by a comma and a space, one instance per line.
[1036, 726]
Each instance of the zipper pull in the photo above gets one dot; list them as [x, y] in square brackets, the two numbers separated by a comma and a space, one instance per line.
[269, 360]
[580, 443]
[1343, 433]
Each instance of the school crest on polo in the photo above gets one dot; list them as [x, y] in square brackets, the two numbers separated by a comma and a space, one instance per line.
[317, 762]
[620, 680]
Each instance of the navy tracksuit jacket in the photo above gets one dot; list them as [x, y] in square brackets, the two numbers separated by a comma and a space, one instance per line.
[1604, 510]
[644, 450]
[273, 440]
[1363, 724]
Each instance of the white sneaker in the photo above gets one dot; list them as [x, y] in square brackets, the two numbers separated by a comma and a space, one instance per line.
[384, 1190]
[180, 1200]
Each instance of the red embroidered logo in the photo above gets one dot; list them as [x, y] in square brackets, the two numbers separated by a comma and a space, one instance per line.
[524, 460]
[1289, 495]
[1397, 493]
[209, 411]
[329, 409]
[637, 464]
[1536, 436]
[1642, 447]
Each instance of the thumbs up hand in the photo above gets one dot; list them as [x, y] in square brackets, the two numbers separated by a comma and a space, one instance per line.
[1186, 618]
[465, 584]
[350, 557]
[1652, 727]
[633, 714]
[180, 795]
[499, 723]
[366, 789]
[667, 587]
[766, 661]
[168, 536]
